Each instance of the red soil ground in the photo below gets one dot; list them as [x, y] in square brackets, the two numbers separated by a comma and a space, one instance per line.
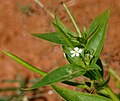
[16, 29]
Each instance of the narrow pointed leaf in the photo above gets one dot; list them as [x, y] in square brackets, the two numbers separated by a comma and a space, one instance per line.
[63, 27]
[63, 73]
[69, 33]
[22, 62]
[95, 24]
[63, 35]
[70, 95]
[54, 37]
[95, 44]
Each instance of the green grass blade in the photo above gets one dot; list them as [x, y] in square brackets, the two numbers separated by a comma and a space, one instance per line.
[22, 62]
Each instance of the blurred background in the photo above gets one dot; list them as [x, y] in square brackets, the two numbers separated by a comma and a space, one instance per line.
[20, 18]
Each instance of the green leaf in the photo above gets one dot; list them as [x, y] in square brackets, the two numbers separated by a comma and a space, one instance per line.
[95, 44]
[95, 71]
[52, 37]
[93, 66]
[63, 35]
[63, 73]
[70, 95]
[96, 23]
[63, 27]
[22, 62]
[69, 33]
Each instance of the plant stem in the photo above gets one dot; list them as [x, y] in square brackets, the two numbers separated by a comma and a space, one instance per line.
[72, 19]
[42, 6]
[111, 93]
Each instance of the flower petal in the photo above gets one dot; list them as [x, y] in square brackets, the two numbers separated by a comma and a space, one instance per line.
[72, 55]
[77, 54]
[76, 48]
[80, 50]
[72, 51]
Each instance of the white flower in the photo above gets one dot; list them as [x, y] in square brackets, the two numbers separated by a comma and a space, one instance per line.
[76, 52]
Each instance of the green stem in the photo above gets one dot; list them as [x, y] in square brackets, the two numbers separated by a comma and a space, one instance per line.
[72, 19]
[111, 93]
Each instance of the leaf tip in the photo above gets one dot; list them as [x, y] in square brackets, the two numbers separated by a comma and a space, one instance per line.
[4, 51]
[33, 34]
